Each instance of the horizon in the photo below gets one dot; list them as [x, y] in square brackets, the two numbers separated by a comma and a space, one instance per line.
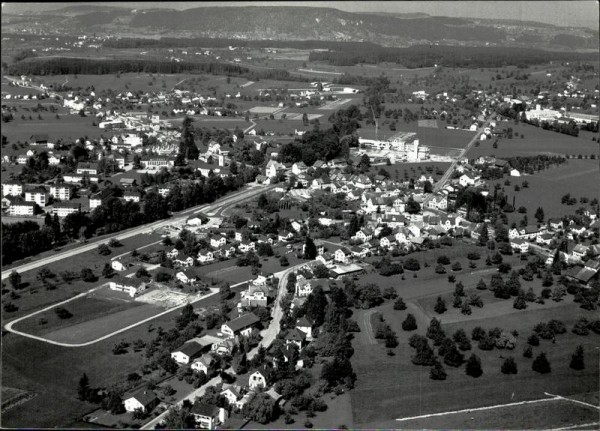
[579, 13]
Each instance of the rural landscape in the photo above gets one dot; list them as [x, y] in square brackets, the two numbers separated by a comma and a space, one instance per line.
[330, 216]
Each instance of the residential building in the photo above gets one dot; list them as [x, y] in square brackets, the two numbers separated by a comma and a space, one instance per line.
[132, 196]
[260, 378]
[187, 353]
[87, 168]
[143, 399]
[202, 364]
[208, 416]
[130, 285]
[21, 209]
[100, 198]
[63, 209]
[39, 195]
[242, 325]
[63, 192]
[12, 189]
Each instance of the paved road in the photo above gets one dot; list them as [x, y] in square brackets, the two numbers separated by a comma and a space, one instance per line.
[442, 182]
[269, 334]
[191, 397]
[229, 200]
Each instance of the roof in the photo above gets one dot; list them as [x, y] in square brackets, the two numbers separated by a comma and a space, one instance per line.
[144, 396]
[202, 409]
[190, 348]
[40, 137]
[242, 322]
[295, 335]
[127, 281]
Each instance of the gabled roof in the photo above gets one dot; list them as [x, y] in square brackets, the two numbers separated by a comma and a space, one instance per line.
[144, 396]
[202, 409]
[190, 349]
[303, 322]
[295, 335]
[242, 322]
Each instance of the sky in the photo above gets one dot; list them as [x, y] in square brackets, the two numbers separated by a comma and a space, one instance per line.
[576, 13]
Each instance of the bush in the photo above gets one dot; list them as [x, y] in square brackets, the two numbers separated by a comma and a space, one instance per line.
[581, 327]
[478, 333]
[466, 308]
[439, 269]
[443, 260]
[473, 366]
[63, 313]
[440, 306]
[412, 264]
[456, 266]
[528, 352]
[461, 339]
[473, 256]
[486, 343]
[506, 341]
[541, 364]
[533, 340]
[509, 366]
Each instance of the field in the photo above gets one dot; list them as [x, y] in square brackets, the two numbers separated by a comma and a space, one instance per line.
[580, 178]
[390, 387]
[536, 141]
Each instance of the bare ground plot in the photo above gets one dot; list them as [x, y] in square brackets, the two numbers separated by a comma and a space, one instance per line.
[444, 138]
[536, 141]
[580, 178]
[391, 387]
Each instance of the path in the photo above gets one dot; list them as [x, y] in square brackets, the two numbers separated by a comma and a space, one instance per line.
[368, 327]
[9, 326]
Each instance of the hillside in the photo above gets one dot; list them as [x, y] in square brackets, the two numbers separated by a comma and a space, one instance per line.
[303, 23]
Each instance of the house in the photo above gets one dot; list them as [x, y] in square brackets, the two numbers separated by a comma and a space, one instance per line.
[579, 251]
[117, 265]
[246, 246]
[21, 209]
[202, 364]
[100, 198]
[439, 202]
[187, 275]
[12, 189]
[260, 378]
[297, 337]
[132, 196]
[342, 255]
[326, 259]
[387, 241]
[187, 353]
[519, 245]
[184, 260]
[157, 162]
[173, 253]
[233, 395]
[37, 195]
[61, 192]
[63, 209]
[87, 168]
[217, 241]
[242, 325]
[273, 168]
[284, 235]
[365, 234]
[224, 347]
[226, 251]
[208, 416]
[129, 285]
[299, 168]
[305, 326]
[303, 287]
[143, 399]
[205, 256]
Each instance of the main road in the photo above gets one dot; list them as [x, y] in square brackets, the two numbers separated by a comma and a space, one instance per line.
[247, 193]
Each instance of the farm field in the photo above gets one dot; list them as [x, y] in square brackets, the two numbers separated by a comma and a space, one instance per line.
[69, 128]
[580, 178]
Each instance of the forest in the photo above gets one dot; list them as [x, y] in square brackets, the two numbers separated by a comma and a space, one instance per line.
[447, 56]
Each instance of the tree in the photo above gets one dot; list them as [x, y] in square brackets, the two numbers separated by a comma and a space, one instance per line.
[528, 352]
[15, 279]
[440, 306]
[179, 418]
[87, 275]
[113, 403]
[473, 366]
[437, 372]
[461, 339]
[410, 323]
[412, 264]
[466, 308]
[310, 250]
[435, 332]
[104, 250]
[63, 313]
[577, 360]
[509, 366]
[539, 214]
[520, 303]
[453, 357]
[541, 364]
[412, 206]
[107, 271]
[399, 304]
[424, 355]
[83, 387]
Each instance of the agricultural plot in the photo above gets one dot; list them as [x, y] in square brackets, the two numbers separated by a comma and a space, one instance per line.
[68, 128]
[336, 104]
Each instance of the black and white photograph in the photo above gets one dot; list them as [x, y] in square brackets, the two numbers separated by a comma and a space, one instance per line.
[300, 215]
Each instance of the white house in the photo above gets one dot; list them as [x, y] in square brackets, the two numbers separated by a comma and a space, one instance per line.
[143, 400]
[208, 416]
[21, 209]
[186, 276]
[217, 241]
[202, 364]
[61, 191]
[63, 209]
[12, 189]
[129, 285]
[205, 256]
[37, 195]
[186, 353]
[342, 255]
[242, 325]
[117, 265]
[260, 378]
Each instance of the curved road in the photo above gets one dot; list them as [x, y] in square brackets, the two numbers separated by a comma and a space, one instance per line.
[228, 200]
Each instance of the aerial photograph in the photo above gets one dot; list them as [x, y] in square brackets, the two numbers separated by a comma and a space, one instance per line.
[300, 214]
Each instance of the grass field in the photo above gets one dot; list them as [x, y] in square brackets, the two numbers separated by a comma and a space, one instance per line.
[536, 141]
[580, 178]
[68, 128]
[391, 387]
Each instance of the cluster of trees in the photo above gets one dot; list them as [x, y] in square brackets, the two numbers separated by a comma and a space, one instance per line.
[383, 331]
[314, 145]
[450, 56]
[531, 164]
[571, 128]
[23, 239]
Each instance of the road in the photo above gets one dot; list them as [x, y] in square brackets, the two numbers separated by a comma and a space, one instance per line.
[191, 397]
[269, 334]
[442, 182]
[229, 200]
